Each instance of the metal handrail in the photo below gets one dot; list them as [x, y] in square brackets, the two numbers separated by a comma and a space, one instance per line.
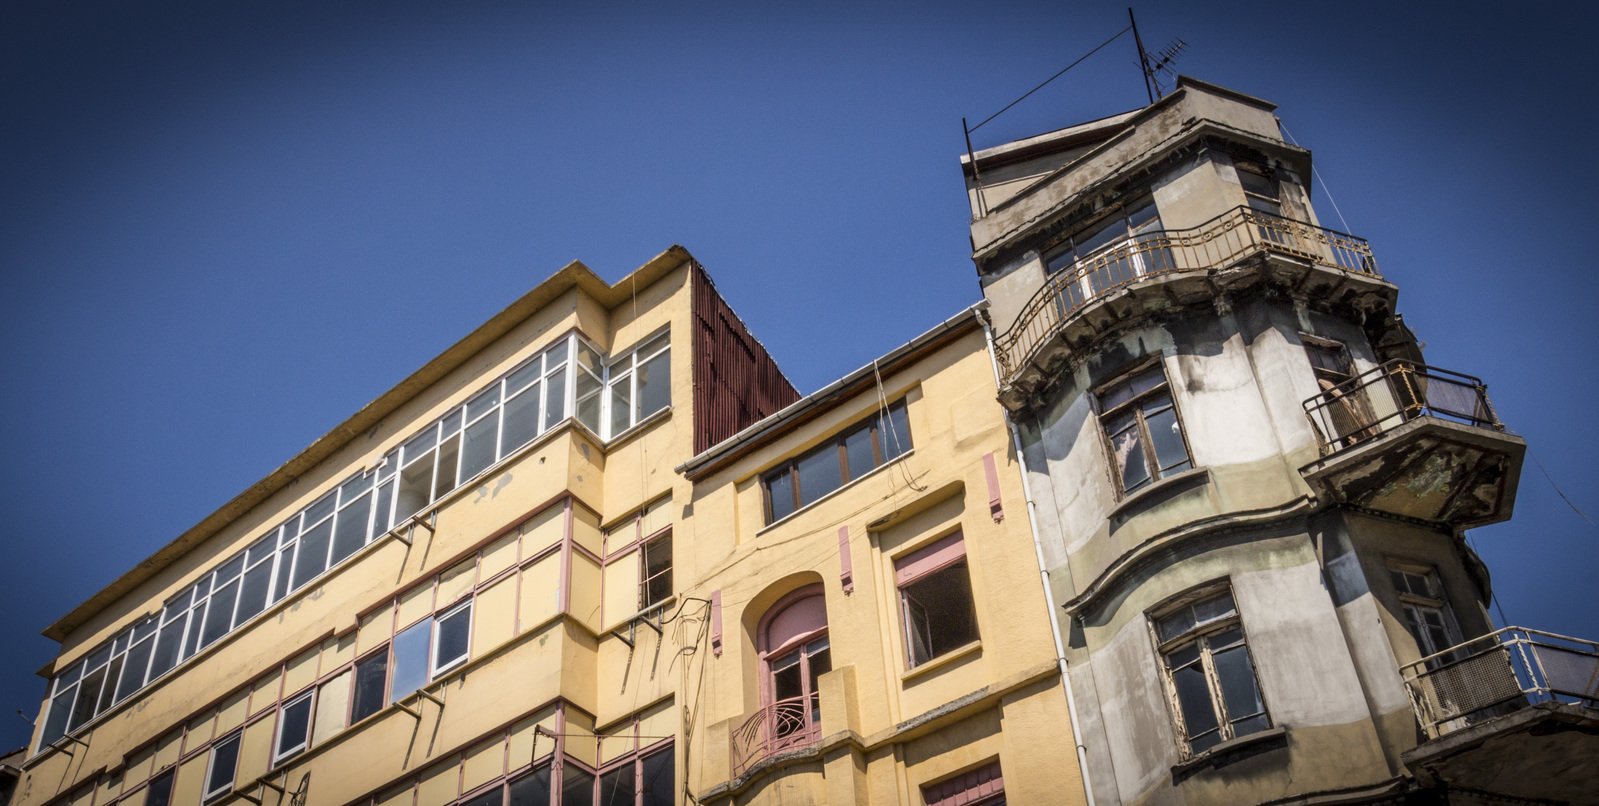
[1232, 236]
[1392, 394]
[1505, 670]
[781, 725]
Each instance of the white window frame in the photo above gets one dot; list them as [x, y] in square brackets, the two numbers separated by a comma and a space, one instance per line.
[435, 670]
[279, 754]
[209, 795]
[628, 364]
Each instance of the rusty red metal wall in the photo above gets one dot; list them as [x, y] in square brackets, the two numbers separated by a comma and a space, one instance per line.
[736, 382]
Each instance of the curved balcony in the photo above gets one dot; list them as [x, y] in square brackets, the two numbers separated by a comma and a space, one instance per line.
[782, 725]
[1168, 255]
[1415, 441]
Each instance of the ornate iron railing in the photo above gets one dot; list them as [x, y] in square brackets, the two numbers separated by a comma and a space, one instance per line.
[1500, 672]
[782, 725]
[1394, 393]
[1222, 241]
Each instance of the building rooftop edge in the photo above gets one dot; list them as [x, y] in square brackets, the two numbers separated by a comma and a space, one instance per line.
[764, 431]
[573, 275]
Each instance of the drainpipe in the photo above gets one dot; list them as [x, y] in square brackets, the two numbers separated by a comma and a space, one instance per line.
[1043, 572]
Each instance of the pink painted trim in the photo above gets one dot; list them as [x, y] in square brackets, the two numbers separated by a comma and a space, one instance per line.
[794, 619]
[925, 561]
[846, 566]
[716, 623]
[995, 508]
[564, 585]
[969, 787]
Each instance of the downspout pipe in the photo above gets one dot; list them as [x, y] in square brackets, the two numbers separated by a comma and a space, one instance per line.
[1043, 571]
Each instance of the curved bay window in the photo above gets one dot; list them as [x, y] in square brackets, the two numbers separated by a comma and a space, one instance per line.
[794, 654]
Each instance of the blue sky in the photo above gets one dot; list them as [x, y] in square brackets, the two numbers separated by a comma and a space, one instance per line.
[225, 227]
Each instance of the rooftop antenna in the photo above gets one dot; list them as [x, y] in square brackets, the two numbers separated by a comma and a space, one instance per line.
[1153, 67]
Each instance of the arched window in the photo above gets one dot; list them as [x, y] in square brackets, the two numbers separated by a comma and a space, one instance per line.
[794, 654]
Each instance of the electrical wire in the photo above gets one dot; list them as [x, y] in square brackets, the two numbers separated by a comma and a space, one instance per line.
[1062, 72]
[1325, 189]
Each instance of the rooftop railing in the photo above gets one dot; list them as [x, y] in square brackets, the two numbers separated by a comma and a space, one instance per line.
[1226, 239]
[782, 725]
[1498, 673]
[1392, 394]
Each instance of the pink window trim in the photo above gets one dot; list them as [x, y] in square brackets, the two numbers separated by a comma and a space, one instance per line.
[967, 788]
[991, 472]
[792, 620]
[716, 622]
[922, 562]
[846, 567]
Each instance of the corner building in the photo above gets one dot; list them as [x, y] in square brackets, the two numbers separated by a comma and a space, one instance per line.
[599, 551]
[1250, 488]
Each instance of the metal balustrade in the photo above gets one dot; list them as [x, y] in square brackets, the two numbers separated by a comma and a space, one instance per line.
[1392, 394]
[1500, 672]
[782, 725]
[1224, 240]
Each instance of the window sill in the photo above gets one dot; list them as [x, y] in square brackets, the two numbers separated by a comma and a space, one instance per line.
[1230, 751]
[947, 659]
[1161, 489]
[818, 502]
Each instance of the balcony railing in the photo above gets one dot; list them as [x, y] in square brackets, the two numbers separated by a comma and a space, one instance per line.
[783, 725]
[1226, 239]
[1392, 394]
[1500, 672]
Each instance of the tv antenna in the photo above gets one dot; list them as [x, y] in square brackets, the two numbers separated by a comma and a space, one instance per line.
[1158, 66]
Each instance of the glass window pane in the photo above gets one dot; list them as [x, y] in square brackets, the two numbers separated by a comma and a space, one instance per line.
[166, 648]
[621, 404]
[587, 358]
[380, 519]
[532, 789]
[370, 675]
[1214, 608]
[577, 785]
[133, 671]
[493, 797]
[449, 459]
[1129, 452]
[946, 616]
[349, 533]
[486, 400]
[780, 491]
[449, 425]
[618, 786]
[113, 671]
[159, 792]
[654, 385]
[285, 562]
[862, 457]
[55, 726]
[819, 473]
[420, 444]
[411, 659]
[895, 432]
[482, 445]
[224, 758]
[555, 355]
[294, 727]
[454, 629]
[522, 377]
[521, 419]
[1193, 696]
[219, 615]
[229, 569]
[589, 389]
[660, 786]
[555, 398]
[1166, 435]
[1239, 695]
[313, 553]
[1175, 624]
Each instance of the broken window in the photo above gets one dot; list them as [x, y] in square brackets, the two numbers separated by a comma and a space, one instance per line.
[935, 594]
[1425, 610]
[1143, 429]
[1345, 411]
[1210, 676]
[1129, 244]
[801, 481]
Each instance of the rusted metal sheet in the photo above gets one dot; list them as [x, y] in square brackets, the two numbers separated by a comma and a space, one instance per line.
[736, 382]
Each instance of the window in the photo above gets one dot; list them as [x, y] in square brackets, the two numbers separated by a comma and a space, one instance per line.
[1143, 429]
[640, 781]
[1209, 674]
[221, 768]
[159, 792]
[294, 728]
[1125, 246]
[984, 786]
[795, 653]
[1345, 412]
[935, 595]
[639, 384]
[842, 459]
[1426, 612]
[1260, 190]
[655, 573]
[371, 681]
[452, 632]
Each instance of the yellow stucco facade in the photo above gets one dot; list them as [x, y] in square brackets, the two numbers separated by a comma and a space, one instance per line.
[511, 580]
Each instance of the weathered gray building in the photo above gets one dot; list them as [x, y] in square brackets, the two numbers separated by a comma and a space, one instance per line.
[1249, 490]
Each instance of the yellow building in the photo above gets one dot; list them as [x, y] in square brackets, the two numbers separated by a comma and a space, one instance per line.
[599, 551]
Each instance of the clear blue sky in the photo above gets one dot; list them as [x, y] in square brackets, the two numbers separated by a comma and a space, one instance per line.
[224, 227]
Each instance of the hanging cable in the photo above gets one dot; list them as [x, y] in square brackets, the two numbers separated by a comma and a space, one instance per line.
[1324, 188]
[1558, 491]
[1062, 72]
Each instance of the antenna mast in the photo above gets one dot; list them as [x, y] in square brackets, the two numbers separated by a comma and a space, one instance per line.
[1143, 56]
